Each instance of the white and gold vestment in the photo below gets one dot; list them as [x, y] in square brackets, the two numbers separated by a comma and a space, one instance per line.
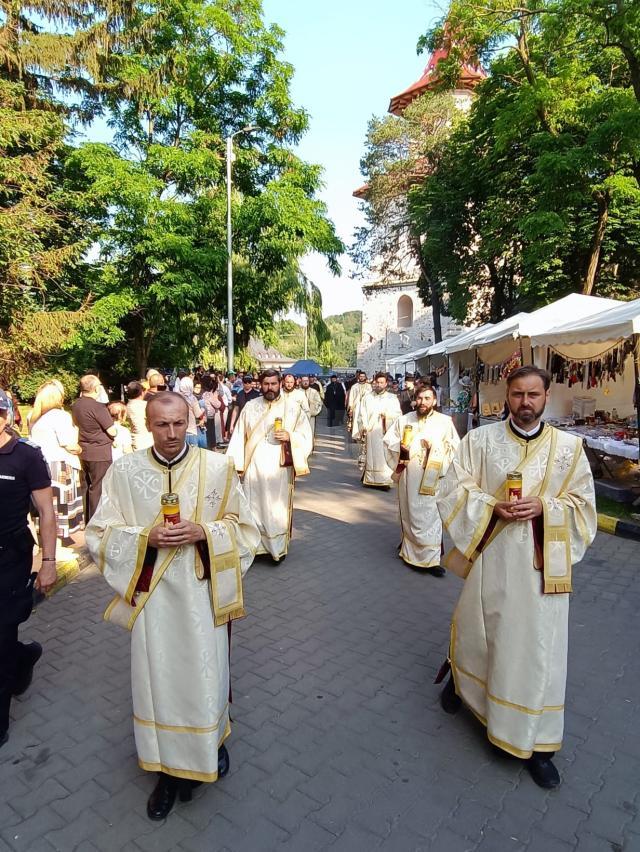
[508, 649]
[258, 457]
[314, 404]
[179, 638]
[418, 482]
[357, 393]
[376, 414]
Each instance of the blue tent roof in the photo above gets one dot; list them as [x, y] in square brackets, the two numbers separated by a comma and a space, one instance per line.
[305, 368]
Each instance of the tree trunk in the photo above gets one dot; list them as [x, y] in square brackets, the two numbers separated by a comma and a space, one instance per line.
[141, 344]
[436, 301]
[602, 199]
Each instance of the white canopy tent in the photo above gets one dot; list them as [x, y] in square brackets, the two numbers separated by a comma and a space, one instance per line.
[620, 321]
[516, 334]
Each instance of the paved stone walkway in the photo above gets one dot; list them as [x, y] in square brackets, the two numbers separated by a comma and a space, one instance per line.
[339, 742]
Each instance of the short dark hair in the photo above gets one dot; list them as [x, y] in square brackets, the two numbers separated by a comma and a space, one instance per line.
[381, 376]
[268, 374]
[134, 390]
[530, 370]
[427, 389]
[247, 379]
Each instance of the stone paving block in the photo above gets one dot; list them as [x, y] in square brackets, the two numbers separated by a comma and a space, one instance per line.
[45, 794]
[545, 843]
[166, 835]
[21, 836]
[355, 839]
[402, 840]
[86, 826]
[282, 782]
[310, 838]
[377, 739]
[495, 841]
[127, 825]
[265, 835]
[607, 822]
[561, 821]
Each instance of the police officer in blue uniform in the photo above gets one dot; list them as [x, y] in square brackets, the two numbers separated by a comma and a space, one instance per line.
[24, 476]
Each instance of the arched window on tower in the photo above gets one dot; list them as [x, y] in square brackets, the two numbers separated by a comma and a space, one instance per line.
[405, 312]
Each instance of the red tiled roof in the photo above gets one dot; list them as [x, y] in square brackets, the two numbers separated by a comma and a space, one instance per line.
[470, 76]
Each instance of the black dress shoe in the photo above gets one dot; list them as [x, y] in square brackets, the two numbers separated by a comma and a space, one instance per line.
[4, 738]
[223, 761]
[163, 797]
[437, 571]
[449, 700]
[543, 770]
[23, 681]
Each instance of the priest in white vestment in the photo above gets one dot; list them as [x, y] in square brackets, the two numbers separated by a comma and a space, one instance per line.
[358, 390]
[314, 402]
[293, 392]
[419, 465]
[376, 413]
[508, 649]
[269, 458]
[178, 586]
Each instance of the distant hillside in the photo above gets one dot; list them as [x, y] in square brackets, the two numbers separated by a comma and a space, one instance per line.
[340, 351]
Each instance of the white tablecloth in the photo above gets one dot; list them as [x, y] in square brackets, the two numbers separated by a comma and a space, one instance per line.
[609, 446]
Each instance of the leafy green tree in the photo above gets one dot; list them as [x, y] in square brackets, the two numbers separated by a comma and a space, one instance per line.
[400, 151]
[188, 75]
[529, 194]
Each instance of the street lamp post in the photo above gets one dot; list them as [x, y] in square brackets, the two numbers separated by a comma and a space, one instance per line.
[230, 158]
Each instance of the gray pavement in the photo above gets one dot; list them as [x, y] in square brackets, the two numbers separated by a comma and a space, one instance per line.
[338, 740]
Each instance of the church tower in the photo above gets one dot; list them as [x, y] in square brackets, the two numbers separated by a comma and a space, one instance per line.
[394, 317]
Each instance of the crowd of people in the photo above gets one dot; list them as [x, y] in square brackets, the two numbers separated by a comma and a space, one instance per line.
[174, 527]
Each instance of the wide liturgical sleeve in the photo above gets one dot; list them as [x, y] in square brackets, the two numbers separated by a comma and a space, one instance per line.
[466, 510]
[117, 537]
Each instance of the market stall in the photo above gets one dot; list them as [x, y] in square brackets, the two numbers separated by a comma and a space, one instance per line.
[594, 367]
[509, 344]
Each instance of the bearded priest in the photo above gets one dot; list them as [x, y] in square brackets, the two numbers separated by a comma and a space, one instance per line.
[270, 445]
[376, 413]
[518, 502]
[419, 448]
[173, 535]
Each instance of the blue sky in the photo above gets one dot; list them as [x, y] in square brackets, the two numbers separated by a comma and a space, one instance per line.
[350, 57]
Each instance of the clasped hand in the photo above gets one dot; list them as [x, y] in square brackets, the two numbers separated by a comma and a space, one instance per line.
[176, 535]
[525, 509]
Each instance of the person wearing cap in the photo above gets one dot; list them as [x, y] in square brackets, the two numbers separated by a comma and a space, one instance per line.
[24, 477]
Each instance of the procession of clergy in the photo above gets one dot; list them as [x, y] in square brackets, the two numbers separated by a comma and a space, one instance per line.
[179, 585]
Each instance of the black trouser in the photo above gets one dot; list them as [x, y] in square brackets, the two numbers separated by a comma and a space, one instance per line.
[15, 607]
[94, 472]
[335, 417]
[211, 433]
[14, 658]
